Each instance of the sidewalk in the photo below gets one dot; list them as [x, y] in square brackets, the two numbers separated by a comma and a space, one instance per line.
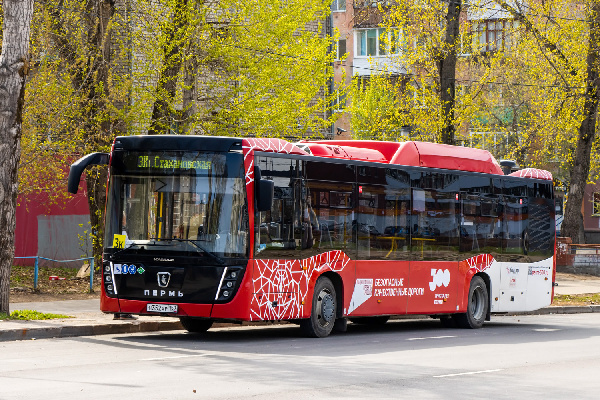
[88, 320]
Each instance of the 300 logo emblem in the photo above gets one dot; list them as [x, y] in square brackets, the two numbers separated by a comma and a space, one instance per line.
[439, 278]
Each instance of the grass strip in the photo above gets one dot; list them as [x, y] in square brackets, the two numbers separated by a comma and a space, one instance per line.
[30, 315]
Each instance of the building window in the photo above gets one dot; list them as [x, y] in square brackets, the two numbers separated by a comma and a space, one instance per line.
[372, 3]
[338, 5]
[341, 49]
[497, 34]
[596, 204]
[340, 102]
[377, 42]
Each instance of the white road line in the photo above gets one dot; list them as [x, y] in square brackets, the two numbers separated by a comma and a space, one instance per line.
[487, 371]
[172, 357]
[431, 337]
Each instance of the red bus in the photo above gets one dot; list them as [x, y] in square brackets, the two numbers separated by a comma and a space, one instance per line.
[320, 232]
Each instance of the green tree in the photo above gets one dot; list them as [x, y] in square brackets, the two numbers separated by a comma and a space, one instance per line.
[429, 35]
[234, 68]
[218, 67]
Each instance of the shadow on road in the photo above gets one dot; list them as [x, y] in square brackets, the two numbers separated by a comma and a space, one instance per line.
[396, 335]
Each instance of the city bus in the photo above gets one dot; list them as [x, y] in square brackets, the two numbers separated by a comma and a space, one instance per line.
[319, 233]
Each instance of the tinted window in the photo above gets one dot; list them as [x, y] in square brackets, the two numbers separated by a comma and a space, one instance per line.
[279, 230]
[434, 225]
[382, 225]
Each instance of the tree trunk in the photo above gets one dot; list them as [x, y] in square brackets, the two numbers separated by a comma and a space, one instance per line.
[90, 75]
[14, 66]
[190, 94]
[95, 180]
[573, 222]
[164, 115]
[447, 71]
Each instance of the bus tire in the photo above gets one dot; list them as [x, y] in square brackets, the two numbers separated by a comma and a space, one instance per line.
[196, 325]
[323, 312]
[477, 307]
[381, 320]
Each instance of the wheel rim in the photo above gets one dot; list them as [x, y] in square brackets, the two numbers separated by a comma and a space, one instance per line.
[325, 307]
[477, 304]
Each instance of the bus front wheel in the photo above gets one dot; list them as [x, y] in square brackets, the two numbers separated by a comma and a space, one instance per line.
[196, 325]
[477, 308]
[323, 312]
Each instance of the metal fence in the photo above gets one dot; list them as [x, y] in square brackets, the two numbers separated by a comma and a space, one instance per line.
[37, 262]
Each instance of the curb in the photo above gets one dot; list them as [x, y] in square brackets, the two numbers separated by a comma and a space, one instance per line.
[562, 310]
[86, 330]
[49, 332]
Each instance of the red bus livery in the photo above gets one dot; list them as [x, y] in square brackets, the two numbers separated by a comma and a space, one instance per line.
[320, 232]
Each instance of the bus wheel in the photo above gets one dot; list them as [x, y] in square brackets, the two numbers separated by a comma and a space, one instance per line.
[196, 325]
[370, 320]
[477, 308]
[323, 313]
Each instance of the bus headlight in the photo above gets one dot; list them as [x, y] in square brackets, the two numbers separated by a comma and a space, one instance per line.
[229, 283]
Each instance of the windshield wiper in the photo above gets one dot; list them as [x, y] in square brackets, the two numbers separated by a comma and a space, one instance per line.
[202, 248]
[141, 245]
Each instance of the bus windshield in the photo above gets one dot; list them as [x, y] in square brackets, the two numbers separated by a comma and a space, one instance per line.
[192, 202]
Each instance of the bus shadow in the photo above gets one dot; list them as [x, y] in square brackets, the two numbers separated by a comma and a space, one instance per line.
[396, 335]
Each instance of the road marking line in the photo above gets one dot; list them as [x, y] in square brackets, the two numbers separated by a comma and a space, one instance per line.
[431, 337]
[172, 357]
[469, 373]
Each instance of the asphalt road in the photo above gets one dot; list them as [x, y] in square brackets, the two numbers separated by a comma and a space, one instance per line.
[533, 357]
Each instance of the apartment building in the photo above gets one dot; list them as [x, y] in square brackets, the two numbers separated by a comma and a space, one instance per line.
[361, 49]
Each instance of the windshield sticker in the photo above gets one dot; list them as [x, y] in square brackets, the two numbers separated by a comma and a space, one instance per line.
[119, 241]
[125, 269]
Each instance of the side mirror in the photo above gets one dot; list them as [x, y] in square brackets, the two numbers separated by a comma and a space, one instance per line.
[264, 191]
[78, 166]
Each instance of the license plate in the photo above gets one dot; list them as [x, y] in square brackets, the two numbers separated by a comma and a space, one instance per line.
[162, 308]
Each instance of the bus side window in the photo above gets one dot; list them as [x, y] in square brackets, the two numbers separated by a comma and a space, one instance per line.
[382, 224]
[278, 230]
[435, 232]
[332, 205]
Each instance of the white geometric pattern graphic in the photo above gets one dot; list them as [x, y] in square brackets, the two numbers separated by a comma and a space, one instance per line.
[533, 173]
[281, 286]
[363, 290]
[272, 145]
[480, 263]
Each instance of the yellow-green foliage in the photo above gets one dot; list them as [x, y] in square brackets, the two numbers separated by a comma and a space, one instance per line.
[528, 95]
[29, 315]
[416, 95]
[261, 71]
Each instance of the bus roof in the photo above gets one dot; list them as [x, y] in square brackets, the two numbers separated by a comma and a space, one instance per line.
[411, 153]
